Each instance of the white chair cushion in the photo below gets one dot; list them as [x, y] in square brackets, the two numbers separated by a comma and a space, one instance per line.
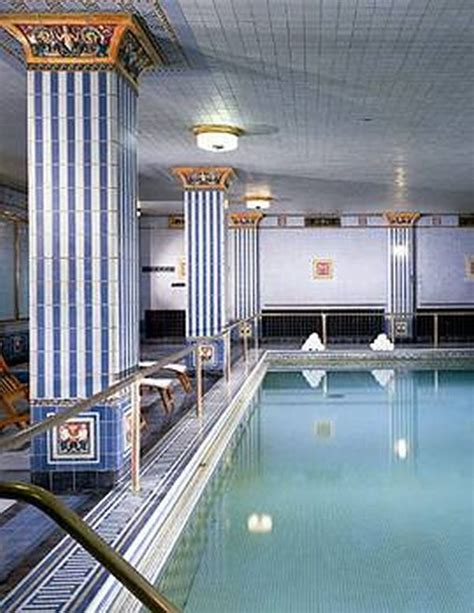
[146, 363]
[160, 383]
[181, 368]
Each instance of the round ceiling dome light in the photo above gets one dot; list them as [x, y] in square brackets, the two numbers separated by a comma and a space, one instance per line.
[217, 138]
[258, 202]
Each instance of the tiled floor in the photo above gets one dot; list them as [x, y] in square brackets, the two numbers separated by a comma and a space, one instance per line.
[120, 516]
[20, 548]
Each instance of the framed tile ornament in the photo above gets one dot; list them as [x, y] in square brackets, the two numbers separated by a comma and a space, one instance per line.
[207, 353]
[323, 269]
[470, 267]
[127, 430]
[181, 268]
[75, 440]
[176, 222]
[245, 330]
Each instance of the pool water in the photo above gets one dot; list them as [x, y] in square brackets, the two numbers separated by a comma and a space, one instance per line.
[344, 491]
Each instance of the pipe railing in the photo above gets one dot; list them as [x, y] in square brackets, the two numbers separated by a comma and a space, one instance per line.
[68, 519]
[132, 383]
[376, 321]
[16, 440]
[77, 528]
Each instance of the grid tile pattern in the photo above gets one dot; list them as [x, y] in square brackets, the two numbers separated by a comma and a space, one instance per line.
[303, 77]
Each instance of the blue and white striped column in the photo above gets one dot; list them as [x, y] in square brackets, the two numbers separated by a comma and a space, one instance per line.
[244, 250]
[205, 247]
[84, 317]
[83, 232]
[82, 161]
[401, 299]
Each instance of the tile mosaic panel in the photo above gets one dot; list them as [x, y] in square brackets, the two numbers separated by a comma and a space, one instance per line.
[92, 441]
[77, 440]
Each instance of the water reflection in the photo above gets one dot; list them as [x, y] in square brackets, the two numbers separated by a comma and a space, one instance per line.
[403, 407]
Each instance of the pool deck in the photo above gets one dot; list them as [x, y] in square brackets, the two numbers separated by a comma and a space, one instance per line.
[68, 578]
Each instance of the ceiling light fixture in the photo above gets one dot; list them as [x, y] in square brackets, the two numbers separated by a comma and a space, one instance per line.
[258, 202]
[217, 138]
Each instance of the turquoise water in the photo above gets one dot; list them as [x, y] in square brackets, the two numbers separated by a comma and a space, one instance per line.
[344, 491]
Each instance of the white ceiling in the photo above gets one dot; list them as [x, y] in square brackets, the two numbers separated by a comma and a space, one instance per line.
[302, 77]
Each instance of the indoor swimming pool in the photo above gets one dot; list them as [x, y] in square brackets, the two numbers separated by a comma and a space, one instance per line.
[343, 490]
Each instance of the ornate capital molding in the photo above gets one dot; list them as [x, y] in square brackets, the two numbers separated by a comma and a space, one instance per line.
[249, 219]
[206, 177]
[401, 219]
[83, 41]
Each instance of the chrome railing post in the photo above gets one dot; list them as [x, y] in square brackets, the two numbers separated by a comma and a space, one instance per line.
[228, 355]
[435, 330]
[324, 329]
[199, 395]
[256, 333]
[245, 339]
[135, 433]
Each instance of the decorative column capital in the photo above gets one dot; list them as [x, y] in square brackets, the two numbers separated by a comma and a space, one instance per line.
[83, 41]
[401, 219]
[247, 219]
[204, 177]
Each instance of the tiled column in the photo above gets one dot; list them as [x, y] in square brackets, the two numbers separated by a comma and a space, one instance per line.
[243, 236]
[82, 160]
[204, 213]
[401, 299]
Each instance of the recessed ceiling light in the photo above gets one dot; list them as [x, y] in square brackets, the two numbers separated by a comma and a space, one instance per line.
[258, 202]
[217, 138]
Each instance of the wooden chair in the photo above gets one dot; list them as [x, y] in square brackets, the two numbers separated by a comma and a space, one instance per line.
[180, 370]
[164, 388]
[11, 391]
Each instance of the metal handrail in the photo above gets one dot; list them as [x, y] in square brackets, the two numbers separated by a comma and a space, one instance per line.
[77, 528]
[318, 311]
[16, 440]
[226, 329]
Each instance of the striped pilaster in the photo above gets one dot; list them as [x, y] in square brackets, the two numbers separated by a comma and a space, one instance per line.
[83, 232]
[244, 238]
[401, 271]
[205, 262]
[206, 247]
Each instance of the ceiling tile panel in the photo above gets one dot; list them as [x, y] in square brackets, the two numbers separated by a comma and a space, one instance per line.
[335, 96]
